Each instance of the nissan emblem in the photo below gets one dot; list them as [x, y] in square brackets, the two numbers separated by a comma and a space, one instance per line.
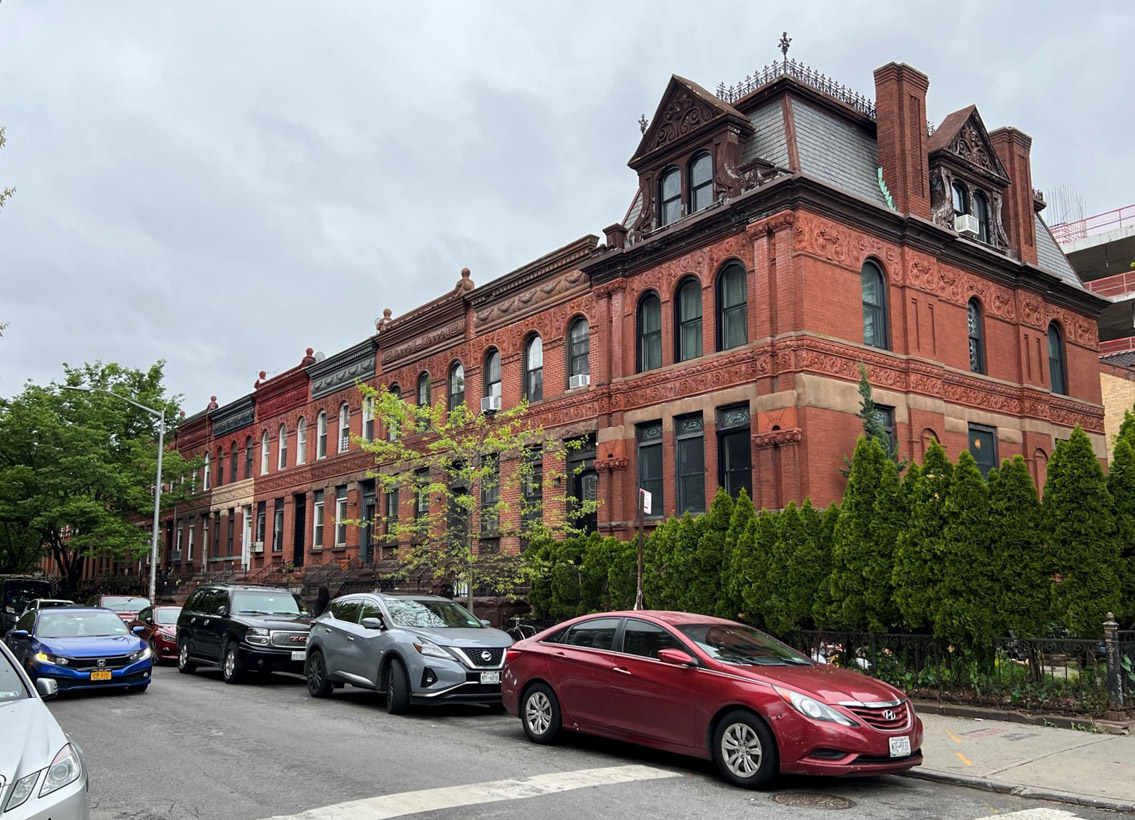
[486, 656]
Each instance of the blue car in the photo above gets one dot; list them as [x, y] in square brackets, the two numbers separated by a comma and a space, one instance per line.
[81, 648]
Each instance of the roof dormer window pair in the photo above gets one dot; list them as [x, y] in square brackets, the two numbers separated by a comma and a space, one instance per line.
[976, 207]
[698, 185]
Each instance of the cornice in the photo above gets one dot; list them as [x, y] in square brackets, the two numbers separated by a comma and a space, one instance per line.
[342, 370]
[233, 416]
[559, 260]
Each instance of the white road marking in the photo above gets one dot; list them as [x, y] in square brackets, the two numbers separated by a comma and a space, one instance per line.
[449, 797]
[1040, 814]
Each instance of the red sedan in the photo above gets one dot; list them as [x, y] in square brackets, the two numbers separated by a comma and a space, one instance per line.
[159, 629]
[709, 688]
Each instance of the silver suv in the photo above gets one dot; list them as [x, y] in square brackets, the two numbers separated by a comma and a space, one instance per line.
[418, 649]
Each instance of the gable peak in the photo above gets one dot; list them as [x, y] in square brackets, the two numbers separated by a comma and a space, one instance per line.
[684, 109]
[963, 134]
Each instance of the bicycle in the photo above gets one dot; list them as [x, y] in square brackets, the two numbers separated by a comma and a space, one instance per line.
[521, 628]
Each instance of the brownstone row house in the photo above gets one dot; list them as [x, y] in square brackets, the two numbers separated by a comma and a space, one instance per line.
[782, 232]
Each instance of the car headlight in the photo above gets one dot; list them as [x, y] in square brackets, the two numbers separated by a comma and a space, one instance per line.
[140, 655]
[812, 708]
[431, 650]
[44, 657]
[64, 769]
[22, 791]
[256, 635]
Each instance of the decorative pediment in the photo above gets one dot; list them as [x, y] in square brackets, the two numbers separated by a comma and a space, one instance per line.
[962, 136]
[686, 109]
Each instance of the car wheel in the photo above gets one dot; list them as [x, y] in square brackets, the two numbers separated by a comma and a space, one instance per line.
[232, 670]
[540, 714]
[745, 750]
[397, 689]
[184, 665]
[154, 652]
[316, 673]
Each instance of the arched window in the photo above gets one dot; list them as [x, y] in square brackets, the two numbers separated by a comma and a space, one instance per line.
[961, 199]
[669, 197]
[368, 418]
[392, 425]
[205, 475]
[534, 369]
[687, 318]
[732, 308]
[649, 320]
[220, 466]
[344, 428]
[874, 307]
[456, 385]
[976, 337]
[423, 398]
[579, 352]
[701, 182]
[981, 212]
[301, 441]
[1057, 371]
[264, 451]
[321, 435]
[247, 458]
[282, 449]
[493, 374]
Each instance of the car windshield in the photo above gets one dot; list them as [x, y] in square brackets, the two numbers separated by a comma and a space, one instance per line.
[167, 615]
[124, 603]
[430, 614]
[48, 603]
[18, 594]
[11, 685]
[741, 645]
[74, 623]
[267, 602]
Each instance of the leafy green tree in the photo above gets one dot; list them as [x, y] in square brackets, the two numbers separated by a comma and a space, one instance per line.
[872, 421]
[919, 552]
[1121, 485]
[702, 571]
[474, 484]
[1022, 602]
[610, 573]
[77, 468]
[1079, 523]
[756, 567]
[729, 604]
[820, 604]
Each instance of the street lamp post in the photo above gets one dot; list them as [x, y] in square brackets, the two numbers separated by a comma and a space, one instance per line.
[161, 416]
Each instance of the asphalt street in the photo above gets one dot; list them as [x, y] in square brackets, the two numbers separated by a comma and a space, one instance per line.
[193, 747]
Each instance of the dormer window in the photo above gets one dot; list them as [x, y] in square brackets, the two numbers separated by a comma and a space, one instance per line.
[961, 199]
[701, 182]
[670, 197]
[981, 212]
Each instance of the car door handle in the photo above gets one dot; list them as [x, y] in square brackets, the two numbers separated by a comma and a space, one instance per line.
[622, 670]
[350, 637]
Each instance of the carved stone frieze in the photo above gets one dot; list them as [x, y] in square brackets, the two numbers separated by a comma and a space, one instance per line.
[713, 374]
[777, 438]
[398, 355]
[230, 422]
[829, 240]
[608, 289]
[703, 263]
[285, 401]
[530, 300]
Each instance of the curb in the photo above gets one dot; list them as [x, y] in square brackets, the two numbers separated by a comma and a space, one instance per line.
[1021, 791]
[1009, 716]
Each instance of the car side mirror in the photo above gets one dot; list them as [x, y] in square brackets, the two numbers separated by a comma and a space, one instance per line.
[138, 630]
[222, 611]
[676, 657]
[373, 623]
[47, 687]
[484, 622]
[19, 633]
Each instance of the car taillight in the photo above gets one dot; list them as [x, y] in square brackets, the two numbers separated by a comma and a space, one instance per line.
[511, 654]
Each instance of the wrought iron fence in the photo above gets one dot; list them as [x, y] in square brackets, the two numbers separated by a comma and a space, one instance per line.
[1059, 675]
[1127, 667]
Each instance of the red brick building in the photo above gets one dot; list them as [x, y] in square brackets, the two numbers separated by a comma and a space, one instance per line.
[782, 233]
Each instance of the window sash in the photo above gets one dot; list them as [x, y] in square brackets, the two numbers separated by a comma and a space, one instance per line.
[579, 359]
[265, 452]
[317, 520]
[282, 447]
[321, 437]
[340, 516]
[736, 459]
[278, 526]
[301, 442]
[650, 334]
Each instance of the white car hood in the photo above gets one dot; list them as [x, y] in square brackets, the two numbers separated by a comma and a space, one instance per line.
[32, 738]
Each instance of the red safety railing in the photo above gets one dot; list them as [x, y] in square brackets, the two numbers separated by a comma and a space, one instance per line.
[1117, 285]
[1100, 223]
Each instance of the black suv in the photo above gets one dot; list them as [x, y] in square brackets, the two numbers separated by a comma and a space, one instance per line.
[242, 629]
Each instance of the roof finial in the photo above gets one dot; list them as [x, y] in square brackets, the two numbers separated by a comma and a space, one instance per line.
[785, 42]
[643, 122]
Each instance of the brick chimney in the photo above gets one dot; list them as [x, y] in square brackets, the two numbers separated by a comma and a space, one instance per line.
[1013, 148]
[900, 113]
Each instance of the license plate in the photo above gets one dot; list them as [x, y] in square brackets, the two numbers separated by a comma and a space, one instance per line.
[490, 677]
[900, 747]
[297, 655]
[100, 674]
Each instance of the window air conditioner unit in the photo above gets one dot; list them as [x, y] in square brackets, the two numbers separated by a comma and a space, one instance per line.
[175, 556]
[258, 546]
[490, 404]
[581, 380]
[967, 225]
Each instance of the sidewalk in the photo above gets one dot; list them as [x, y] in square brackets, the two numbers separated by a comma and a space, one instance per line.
[1064, 765]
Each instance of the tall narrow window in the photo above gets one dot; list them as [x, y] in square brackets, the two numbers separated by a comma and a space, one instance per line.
[344, 428]
[205, 473]
[532, 492]
[220, 466]
[278, 526]
[423, 398]
[534, 369]
[189, 541]
[493, 374]
[247, 458]
[976, 337]
[874, 307]
[301, 441]
[981, 212]
[229, 540]
[233, 460]
[983, 447]
[687, 314]
[341, 516]
[649, 332]
[1057, 371]
[421, 501]
[650, 463]
[961, 199]
[490, 496]
[317, 521]
[734, 450]
[456, 385]
[669, 197]
[368, 418]
[392, 430]
[261, 521]
[282, 448]
[391, 523]
[701, 182]
[732, 307]
[217, 535]
[321, 435]
[265, 452]
[579, 352]
[689, 457]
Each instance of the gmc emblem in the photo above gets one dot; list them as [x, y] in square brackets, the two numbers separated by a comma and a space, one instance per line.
[298, 639]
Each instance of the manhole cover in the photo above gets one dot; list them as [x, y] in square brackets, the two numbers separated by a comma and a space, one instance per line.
[804, 800]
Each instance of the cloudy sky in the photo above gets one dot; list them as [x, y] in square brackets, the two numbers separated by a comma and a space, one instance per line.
[223, 183]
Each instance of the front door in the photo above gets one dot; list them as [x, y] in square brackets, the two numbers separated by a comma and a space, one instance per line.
[366, 534]
[300, 503]
[246, 538]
